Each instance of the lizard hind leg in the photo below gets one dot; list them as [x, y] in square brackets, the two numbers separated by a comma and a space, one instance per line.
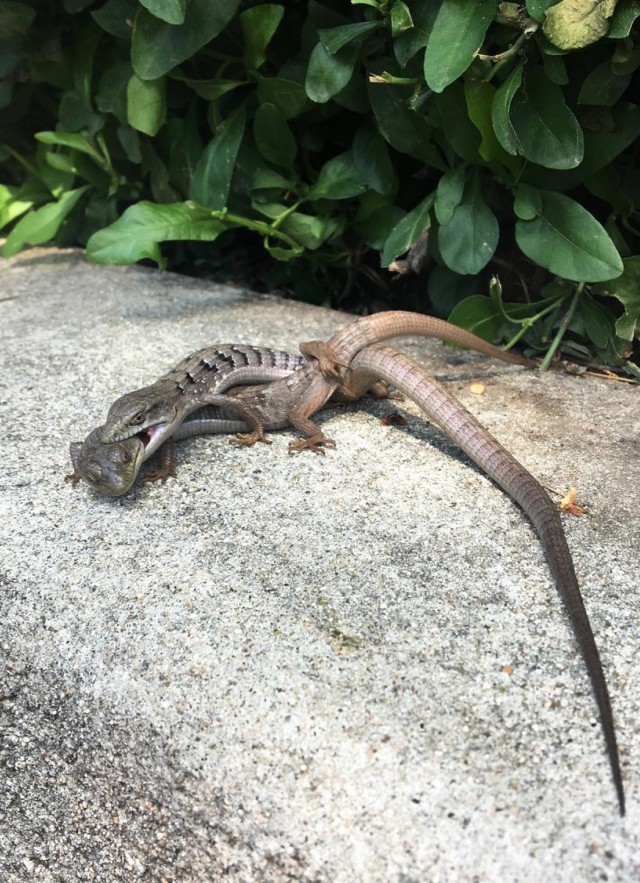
[245, 412]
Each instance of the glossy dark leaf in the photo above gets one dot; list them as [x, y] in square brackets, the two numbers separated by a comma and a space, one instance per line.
[212, 177]
[547, 132]
[157, 47]
[457, 34]
[408, 231]
[467, 242]
[567, 240]
[273, 136]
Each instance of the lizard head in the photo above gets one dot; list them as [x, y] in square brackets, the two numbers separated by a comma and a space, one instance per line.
[111, 468]
[141, 411]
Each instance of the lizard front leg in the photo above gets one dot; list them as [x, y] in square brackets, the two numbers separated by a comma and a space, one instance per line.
[163, 464]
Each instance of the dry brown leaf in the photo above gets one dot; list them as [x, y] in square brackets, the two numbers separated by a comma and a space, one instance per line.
[568, 503]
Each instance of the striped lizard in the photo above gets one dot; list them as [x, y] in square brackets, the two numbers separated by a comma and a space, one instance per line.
[338, 366]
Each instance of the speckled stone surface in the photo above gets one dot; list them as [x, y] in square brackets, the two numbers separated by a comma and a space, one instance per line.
[330, 669]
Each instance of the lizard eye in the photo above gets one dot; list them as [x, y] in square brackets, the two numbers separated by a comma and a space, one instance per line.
[138, 418]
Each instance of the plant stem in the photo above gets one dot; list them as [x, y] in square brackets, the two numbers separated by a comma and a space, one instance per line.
[568, 316]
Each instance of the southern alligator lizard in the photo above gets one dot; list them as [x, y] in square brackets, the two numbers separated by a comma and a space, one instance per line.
[112, 469]
[198, 380]
[378, 362]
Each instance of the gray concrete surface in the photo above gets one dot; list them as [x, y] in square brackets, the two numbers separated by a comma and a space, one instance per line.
[273, 668]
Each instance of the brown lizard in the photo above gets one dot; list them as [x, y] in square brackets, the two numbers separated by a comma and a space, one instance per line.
[377, 362]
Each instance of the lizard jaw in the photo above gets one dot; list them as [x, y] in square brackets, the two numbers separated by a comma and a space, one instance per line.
[152, 437]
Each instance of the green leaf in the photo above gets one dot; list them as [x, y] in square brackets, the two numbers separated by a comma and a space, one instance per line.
[157, 47]
[538, 8]
[408, 231]
[146, 104]
[333, 39]
[212, 177]
[479, 97]
[449, 193]
[111, 96]
[327, 74]
[567, 240]
[12, 207]
[478, 314]
[375, 229]
[468, 241]
[15, 21]
[310, 231]
[75, 142]
[528, 202]
[136, 234]
[171, 11]
[626, 12]
[626, 288]
[273, 136]
[555, 68]
[401, 19]
[259, 24]
[338, 179]
[547, 132]
[596, 321]
[288, 96]
[573, 24]
[423, 13]
[446, 289]
[212, 89]
[372, 160]
[602, 86]
[41, 224]
[264, 179]
[402, 128]
[458, 33]
[501, 111]
[456, 127]
[626, 58]
[75, 115]
[116, 17]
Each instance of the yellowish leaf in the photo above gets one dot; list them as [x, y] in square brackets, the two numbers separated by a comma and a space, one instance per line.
[572, 24]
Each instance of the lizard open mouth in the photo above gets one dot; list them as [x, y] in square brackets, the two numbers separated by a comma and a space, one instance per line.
[150, 435]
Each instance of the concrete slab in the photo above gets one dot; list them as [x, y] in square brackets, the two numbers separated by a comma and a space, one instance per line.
[349, 668]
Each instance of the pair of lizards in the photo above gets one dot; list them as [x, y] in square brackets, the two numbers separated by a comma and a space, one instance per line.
[290, 391]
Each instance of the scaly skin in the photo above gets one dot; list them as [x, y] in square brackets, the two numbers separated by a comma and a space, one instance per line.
[462, 427]
[155, 412]
[378, 362]
[199, 379]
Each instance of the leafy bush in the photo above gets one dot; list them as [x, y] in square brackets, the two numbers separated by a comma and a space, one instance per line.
[341, 135]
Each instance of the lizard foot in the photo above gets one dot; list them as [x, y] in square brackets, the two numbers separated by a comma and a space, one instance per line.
[380, 390]
[250, 438]
[315, 443]
[328, 363]
[160, 474]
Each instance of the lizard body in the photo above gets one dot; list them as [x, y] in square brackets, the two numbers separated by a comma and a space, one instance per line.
[199, 379]
[159, 408]
[376, 362]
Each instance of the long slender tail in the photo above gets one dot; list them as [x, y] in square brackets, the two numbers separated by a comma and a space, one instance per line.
[462, 427]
